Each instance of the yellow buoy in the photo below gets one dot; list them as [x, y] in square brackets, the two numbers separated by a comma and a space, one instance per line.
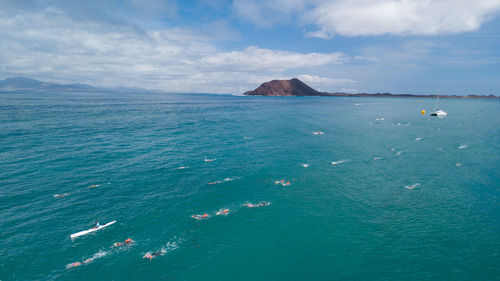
[422, 112]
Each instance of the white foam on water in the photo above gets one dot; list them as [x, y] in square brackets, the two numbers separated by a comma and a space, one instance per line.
[260, 204]
[340, 161]
[462, 146]
[97, 255]
[412, 186]
[61, 195]
[419, 139]
[225, 180]
[377, 158]
[232, 179]
[169, 247]
[304, 165]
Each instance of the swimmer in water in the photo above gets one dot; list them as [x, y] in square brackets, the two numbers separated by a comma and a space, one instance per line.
[153, 255]
[200, 217]
[126, 242]
[74, 264]
[61, 195]
[282, 182]
[412, 186]
[222, 212]
[260, 204]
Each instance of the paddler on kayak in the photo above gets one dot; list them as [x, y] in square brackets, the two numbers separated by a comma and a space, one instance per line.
[96, 224]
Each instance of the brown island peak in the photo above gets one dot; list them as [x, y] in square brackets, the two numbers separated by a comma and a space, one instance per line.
[295, 87]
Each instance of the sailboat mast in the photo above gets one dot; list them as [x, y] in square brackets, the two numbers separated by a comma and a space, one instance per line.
[436, 106]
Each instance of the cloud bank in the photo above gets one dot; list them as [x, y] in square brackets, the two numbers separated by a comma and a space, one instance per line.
[53, 44]
[371, 17]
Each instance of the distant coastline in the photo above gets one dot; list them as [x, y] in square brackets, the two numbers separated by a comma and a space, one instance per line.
[295, 87]
[389, 95]
[292, 87]
[22, 84]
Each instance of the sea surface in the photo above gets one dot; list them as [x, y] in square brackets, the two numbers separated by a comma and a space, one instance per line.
[388, 193]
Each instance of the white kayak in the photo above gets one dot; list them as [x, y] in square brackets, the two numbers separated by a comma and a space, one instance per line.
[84, 232]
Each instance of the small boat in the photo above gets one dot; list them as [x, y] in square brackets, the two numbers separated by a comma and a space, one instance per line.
[84, 232]
[438, 112]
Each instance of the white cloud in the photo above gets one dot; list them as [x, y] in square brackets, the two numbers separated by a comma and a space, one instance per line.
[323, 34]
[53, 46]
[372, 17]
[257, 59]
[313, 79]
[349, 90]
[376, 17]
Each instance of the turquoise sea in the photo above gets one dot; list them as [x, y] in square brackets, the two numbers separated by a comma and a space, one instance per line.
[355, 220]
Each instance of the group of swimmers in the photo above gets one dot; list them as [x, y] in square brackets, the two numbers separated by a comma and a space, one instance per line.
[67, 194]
[225, 211]
[220, 212]
[128, 241]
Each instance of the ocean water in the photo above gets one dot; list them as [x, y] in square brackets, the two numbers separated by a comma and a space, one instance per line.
[355, 220]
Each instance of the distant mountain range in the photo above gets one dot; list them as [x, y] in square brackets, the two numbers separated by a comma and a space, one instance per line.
[295, 87]
[27, 84]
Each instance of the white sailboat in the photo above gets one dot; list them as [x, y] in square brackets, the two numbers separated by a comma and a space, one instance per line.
[438, 112]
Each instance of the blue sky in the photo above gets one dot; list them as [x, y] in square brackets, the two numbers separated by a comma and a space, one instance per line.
[230, 46]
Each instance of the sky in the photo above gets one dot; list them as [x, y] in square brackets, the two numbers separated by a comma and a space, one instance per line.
[231, 46]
